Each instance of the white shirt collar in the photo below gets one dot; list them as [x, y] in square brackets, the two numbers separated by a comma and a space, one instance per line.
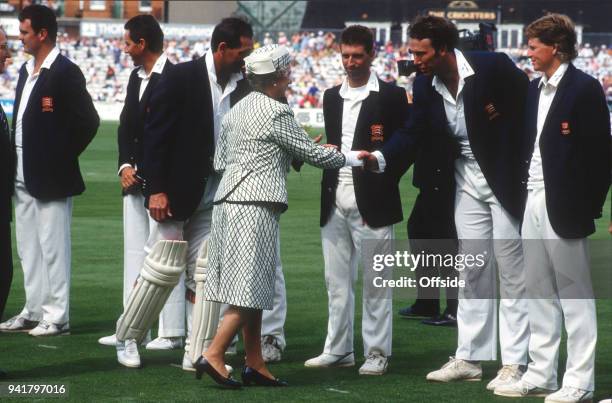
[555, 79]
[212, 73]
[372, 85]
[46, 64]
[158, 67]
[463, 68]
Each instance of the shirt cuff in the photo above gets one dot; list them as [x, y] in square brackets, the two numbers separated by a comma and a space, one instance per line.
[382, 164]
[122, 167]
[351, 159]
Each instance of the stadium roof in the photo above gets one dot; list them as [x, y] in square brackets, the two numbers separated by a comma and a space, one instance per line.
[594, 15]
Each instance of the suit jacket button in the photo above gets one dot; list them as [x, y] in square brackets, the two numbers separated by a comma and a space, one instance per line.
[436, 188]
[438, 170]
[329, 189]
[135, 140]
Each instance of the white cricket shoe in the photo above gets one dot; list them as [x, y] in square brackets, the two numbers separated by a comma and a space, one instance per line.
[520, 388]
[188, 365]
[375, 364]
[165, 343]
[331, 360]
[456, 370]
[45, 328]
[567, 394]
[507, 375]
[108, 340]
[112, 340]
[127, 353]
[270, 349]
[17, 323]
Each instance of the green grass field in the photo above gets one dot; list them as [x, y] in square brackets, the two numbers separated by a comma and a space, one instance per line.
[93, 374]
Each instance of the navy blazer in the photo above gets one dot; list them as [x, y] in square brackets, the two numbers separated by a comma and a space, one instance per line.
[131, 121]
[495, 136]
[58, 123]
[179, 136]
[381, 114]
[7, 175]
[575, 150]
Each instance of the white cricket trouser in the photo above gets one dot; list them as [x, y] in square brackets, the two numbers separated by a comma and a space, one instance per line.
[273, 321]
[135, 235]
[481, 221]
[549, 258]
[43, 244]
[342, 238]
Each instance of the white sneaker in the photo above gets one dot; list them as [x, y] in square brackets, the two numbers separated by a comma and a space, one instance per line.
[567, 394]
[112, 340]
[270, 350]
[188, 365]
[127, 353]
[331, 360]
[507, 375]
[165, 343]
[456, 370]
[520, 388]
[375, 364]
[108, 340]
[17, 323]
[45, 328]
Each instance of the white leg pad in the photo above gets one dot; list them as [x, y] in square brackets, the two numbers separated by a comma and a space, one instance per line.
[205, 313]
[161, 271]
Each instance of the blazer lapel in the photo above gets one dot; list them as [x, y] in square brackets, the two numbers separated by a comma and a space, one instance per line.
[23, 75]
[558, 96]
[367, 114]
[334, 136]
[144, 101]
[242, 89]
[468, 103]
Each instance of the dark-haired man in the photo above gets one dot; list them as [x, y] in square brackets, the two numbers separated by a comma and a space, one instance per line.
[475, 100]
[143, 41]
[54, 121]
[568, 159]
[358, 205]
[182, 122]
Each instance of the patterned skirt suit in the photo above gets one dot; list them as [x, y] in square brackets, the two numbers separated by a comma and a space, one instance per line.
[259, 138]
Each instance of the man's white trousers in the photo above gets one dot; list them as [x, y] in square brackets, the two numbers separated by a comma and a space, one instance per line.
[342, 239]
[43, 244]
[549, 258]
[483, 224]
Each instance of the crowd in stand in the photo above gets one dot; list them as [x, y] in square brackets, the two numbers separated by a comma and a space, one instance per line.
[316, 64]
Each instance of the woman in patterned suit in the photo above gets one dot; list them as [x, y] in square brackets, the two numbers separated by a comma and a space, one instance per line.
[258, 140]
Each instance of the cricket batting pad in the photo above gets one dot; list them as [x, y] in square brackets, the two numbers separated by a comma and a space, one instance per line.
[160, 273]
[205, 313]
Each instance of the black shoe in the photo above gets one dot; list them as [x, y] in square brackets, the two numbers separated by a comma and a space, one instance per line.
[250, 376]
[446, 319]
[414, 310]
[202, 366]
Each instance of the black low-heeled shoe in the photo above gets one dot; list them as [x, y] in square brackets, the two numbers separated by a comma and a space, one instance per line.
[202, 365]
[251, 376]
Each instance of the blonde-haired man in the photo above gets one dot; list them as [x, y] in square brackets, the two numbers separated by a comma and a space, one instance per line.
[568, 177]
